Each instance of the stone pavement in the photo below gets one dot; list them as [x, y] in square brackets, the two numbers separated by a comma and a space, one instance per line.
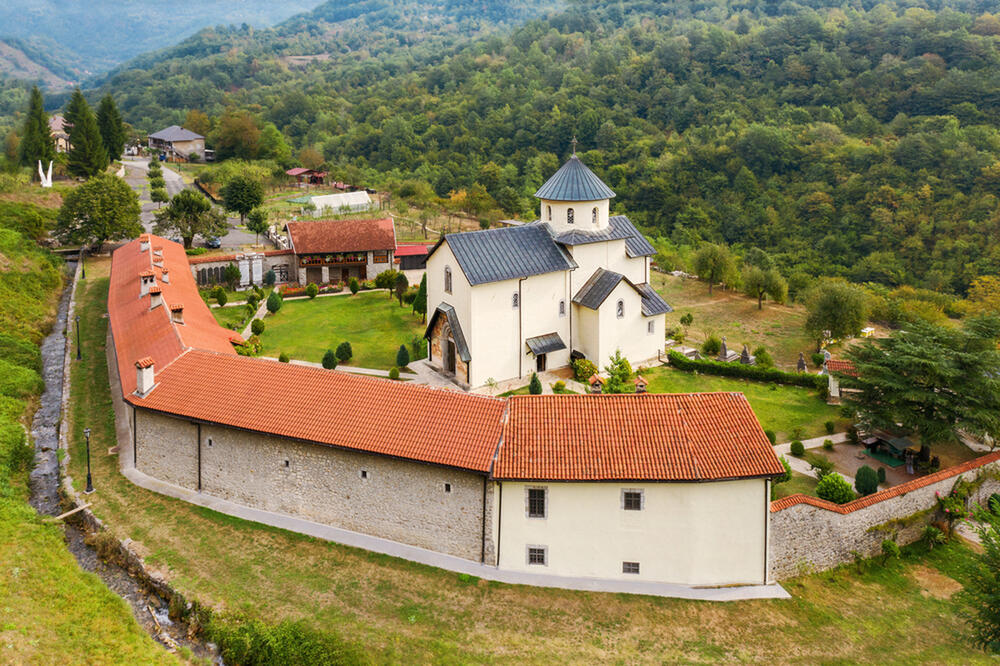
[800, 465]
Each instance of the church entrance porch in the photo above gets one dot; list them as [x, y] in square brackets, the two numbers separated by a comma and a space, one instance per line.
[540, 363]
[449, 355]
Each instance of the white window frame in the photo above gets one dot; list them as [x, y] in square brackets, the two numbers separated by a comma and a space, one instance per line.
[620, 308]
[625, 567]
[642, 498]
[545, 555]
[570, 216]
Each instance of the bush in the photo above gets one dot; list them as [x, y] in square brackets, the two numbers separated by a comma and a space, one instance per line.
[935, 464]
[881, 474]
[932, 536]
[866, 480]
[852, 435]
[834, 488]
[251, 642]
[394, 373]
[798, 449]
[312, 290]
[329, 360]
[402, 357]
[583, 370]
[993, 504]
[712, 346]
[410, 295]
[354, 286]
[195, 251]
[771, 437]
[752, 372]
[257, 326]
[220, 296]
[786, 475]
[270, 277]
[830, 427]
[386, 279]
[763, 358]
[344, 352]
[828, 444]
[253, 300]
[559, 386]
[687, 319]
[535, 385]
[822, 465]
[273, 302]
[925, 453]
[890, 550]
[818, 359]
[283, 357]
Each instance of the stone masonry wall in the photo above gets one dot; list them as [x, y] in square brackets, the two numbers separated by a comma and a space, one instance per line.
[806, 537]
[437, 354]
[399, 500]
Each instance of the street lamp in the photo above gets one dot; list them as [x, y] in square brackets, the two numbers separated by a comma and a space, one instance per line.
[90, 485]
[83, 266]
[78, 357]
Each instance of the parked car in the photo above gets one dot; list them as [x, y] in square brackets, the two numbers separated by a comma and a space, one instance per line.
[213, 243]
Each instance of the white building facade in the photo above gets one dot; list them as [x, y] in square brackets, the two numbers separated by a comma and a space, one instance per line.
[503, 303]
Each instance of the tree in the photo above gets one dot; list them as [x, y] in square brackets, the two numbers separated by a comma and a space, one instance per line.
[329, 360]
[36, 139]
[237, 135]
[242, 194]
[865, 480]
[714, 263]
[619, 372]
[353, 285]
[402, 357]
[386, 280]
[270, 277]
[401, 285]
[312, 291]
[103, 209]
[111, 127]
[978, 599]
[837, 307]
[535, 385]
[87, 156]
[310, 158]
[936, 380]
[420, 301]
[198, 122]
[758, 283]
[344, 352]
[272, 145]
[231, 275]
[273, 302]
[257, 223]
[984, 294]
[786, 475]
[834, 488]
[190, 214]
[158, 195]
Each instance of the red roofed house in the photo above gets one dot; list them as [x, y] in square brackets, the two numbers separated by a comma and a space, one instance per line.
[337, 250]
[653, 488]
[834, 367]
[304, 176]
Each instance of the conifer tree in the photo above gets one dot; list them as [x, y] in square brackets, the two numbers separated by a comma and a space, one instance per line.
[36, 140]
[87, 156]
[109, 123]
[420, 301]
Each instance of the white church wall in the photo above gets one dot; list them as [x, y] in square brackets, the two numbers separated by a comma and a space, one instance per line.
[608, 255]
[587, 333]
[627, 334]
[583, 215]
[460, 297]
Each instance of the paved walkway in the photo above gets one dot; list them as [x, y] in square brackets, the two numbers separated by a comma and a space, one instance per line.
[261, 311]
[800, 465]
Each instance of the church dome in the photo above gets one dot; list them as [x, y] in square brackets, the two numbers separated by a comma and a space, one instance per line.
[574, 182]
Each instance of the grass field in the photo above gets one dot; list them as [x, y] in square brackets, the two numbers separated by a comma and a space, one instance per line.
[374, 325]
[799, 483]
[404, 612]
[779, 408]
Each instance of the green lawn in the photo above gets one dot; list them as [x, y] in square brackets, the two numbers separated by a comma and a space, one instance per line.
[799, 483]
[374, 325]
[779, 408]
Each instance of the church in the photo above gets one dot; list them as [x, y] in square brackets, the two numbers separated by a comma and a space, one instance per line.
[503, 303]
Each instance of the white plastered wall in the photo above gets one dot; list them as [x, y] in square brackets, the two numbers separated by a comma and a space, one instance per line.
[556, 213]
[609, 255]
[460, 297]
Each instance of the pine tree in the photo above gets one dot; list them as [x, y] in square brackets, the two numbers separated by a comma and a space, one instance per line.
[109, 123]
[535, 385]
[402, 357]
[36, 141]
[420, 301]
[87, 156]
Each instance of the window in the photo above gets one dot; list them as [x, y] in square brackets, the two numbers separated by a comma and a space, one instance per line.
[210, 441]
[380, 257]
[447, 279]
[593, 216]
[548, 213]
[620, 309]
[537, 555]
[286, 463]
[364, 474]
[562, 308]
[569, 216]
[651, 327]
[630, 567]
[536, 502]
[632, 500]
[447, 487]
[515, 300]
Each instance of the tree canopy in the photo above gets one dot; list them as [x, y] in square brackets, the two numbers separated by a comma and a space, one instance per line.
[103, 209]
[190, 214]
[242, 194]
[36, 139]
[835, 307]
[87, 155]
[111, 127]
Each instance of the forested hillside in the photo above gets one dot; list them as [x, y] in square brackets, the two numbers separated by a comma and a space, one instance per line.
[859, 141]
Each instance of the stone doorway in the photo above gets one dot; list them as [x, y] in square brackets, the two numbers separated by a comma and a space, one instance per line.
[540, 363]
[449, 356]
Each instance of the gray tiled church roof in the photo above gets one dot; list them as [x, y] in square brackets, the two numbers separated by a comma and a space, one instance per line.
[506, 254]
[619, 228]
[652, 302]
[595, 290]
[574, 182]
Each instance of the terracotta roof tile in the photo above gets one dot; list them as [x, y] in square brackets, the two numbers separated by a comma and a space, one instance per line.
[342, 236]
[844, 367]
[211, 258]
[656, 437]
[144, 362]
[174, 307]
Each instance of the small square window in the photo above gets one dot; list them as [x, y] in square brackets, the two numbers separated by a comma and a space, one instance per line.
[286, 463]
[447, 487]
[630, 567]
[536, 555]
[364, 474]
[536, 502]
[210, 441]
[632, 500]
[562, 308]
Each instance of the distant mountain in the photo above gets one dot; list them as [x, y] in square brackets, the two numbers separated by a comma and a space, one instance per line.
[61, 42]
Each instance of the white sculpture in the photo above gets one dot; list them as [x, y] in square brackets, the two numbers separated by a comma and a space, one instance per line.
[46, 180]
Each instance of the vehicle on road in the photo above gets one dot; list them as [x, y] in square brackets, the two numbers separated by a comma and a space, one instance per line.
[214, 243]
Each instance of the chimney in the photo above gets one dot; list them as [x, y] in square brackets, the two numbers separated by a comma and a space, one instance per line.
[165, 276]
[158, 250]
[155, 298]
[147, 280]
[144, 376]
[143, 243]
[177, 313]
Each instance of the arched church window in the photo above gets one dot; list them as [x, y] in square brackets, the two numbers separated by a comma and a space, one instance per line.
[569, 216]
[562, 308]
[593, 216]
[548, 213]
[447, 279]
[620, 309]
[515, 300]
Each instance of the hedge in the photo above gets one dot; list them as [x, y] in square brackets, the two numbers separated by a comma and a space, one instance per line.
[751, 372]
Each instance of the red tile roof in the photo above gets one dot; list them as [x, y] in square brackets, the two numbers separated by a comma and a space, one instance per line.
[888, 493]
[144, 362]
[410, 250]
[323, 236]
[844, 367]
[207, 259]
[364, 413]
[653, 437]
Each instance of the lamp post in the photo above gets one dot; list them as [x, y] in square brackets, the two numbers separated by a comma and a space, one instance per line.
[83, 266]
[90, 485]
[78, 357]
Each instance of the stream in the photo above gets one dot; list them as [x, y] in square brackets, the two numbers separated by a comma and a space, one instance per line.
[44, 483]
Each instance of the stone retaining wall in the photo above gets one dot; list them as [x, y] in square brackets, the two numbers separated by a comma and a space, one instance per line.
[810, 534]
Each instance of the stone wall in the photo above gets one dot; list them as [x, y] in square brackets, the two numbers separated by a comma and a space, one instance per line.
[809, 534]
[440, 331]
[394, 499]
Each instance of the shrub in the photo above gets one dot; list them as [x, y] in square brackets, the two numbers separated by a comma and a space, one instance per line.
[583, 369]
[410, 295]
[195, 251]
[834, 488]
[253, 300]
[402, 357]
[866, 480]
[386, 279]
[925, 453]
[798, 449]
[329, 360]
[752, 372]
[763, 358]
[220, 296]
[535, 385]
[818, 359]
[852, 435]
[344, 352]
[312, 290]
[687, 319]
[559, 386]
[830, 427]
[252, 642]
[771, 437]
[394, 373]
[257, 326]
[711, 346]
[828, 444]
[881, 474]
[993, 504]
[786, 475]
[354, 286]
[935, 464]
[273, 302]
[283, 357]
[270, 277]
[890, 550]
[932, 536]
[821, 464]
